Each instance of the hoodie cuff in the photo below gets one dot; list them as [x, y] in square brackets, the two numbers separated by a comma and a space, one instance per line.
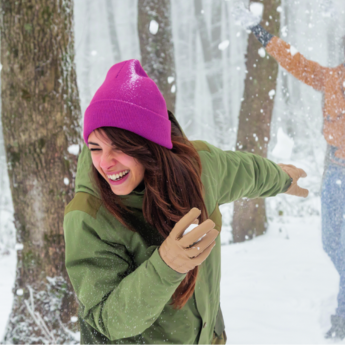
[287, 184]
[165, 272]
[261, 34]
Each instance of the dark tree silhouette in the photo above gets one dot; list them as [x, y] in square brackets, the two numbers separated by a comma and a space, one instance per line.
[254, 126]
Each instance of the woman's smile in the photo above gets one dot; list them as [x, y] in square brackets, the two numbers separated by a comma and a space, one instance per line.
[118, 178]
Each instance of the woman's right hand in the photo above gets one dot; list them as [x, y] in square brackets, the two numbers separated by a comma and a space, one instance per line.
[182, 253]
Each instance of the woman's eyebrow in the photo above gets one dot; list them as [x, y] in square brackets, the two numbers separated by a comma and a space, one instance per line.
[90, 142]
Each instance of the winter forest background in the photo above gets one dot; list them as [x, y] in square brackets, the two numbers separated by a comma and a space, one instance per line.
[277, 288]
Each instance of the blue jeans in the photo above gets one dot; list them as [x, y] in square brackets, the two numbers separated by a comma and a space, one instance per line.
[333, 223]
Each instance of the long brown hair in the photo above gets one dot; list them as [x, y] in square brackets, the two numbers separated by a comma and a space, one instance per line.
[172, 187]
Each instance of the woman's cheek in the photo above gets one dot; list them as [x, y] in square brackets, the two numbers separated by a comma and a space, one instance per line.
[127, 161]
[95, 161]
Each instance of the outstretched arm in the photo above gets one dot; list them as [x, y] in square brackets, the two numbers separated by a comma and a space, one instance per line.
[307, 71]
[242, 174]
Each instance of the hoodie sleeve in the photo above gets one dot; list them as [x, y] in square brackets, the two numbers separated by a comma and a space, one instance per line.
[234, 175]
[307, 71]
[118, 299]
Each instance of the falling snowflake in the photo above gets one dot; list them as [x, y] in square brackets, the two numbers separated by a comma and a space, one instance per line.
[272, 93]
[154, 26]
[262, 52]
[223, 45]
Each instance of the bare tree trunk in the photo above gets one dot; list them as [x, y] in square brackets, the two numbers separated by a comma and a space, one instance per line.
[40, 118]
[186, 49]
[254, 121]
[156, 47]
[289, 83]
[213, 65]
[332, 32]
[286, 93]
[228, 65]
[113, 33]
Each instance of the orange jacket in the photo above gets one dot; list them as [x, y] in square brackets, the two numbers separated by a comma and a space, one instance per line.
[330, 81]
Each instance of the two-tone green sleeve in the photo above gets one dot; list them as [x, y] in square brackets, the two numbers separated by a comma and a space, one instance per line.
[118, 299]
[240, 174]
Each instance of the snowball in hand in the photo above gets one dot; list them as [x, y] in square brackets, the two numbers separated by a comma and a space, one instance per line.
[190, 228]
[244, 17]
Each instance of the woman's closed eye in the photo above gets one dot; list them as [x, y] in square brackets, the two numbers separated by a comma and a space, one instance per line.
[95, 146]
[116, 150]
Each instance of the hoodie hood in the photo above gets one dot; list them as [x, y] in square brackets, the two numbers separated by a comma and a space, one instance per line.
[83, 179]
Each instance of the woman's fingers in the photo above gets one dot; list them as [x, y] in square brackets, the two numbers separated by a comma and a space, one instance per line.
[194, 236]
[302, 173]
[203, 256]
[184, 222]
[302, 192]
[295, 173]
[200, 247]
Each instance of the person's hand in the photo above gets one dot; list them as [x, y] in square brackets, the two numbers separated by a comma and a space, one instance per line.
[295, 174]
[183, 253]
[244, 17]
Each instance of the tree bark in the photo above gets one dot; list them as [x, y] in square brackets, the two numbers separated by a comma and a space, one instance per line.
[254, 121]
[40, 119]
[213, 66]
[157, 48]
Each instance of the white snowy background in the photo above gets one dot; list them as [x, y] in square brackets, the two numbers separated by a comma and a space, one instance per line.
[280, 287]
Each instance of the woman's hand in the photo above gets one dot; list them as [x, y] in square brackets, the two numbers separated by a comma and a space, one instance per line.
[179, 252]
[295, 174]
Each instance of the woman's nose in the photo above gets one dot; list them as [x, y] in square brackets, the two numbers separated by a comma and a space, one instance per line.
[107, 161]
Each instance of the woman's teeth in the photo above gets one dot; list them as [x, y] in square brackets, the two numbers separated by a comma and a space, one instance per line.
[118, 176]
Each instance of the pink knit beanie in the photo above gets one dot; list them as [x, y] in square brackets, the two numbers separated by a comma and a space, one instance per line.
[130, 100]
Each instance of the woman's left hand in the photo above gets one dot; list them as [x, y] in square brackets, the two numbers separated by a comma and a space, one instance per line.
[295, 174]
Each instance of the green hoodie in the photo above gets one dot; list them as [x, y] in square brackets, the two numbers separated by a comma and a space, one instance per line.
[123, 286]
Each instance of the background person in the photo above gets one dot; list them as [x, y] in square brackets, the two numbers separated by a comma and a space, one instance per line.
[331, 82]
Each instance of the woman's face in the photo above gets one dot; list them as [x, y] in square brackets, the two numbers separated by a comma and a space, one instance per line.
[122, 172]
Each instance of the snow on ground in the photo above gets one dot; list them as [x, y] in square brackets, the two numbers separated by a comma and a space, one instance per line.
[279, 288]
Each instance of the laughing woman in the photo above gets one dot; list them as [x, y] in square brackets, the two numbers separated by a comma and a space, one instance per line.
[140, 184]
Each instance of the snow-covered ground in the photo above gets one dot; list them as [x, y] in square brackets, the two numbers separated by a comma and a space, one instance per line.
[278, 288]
